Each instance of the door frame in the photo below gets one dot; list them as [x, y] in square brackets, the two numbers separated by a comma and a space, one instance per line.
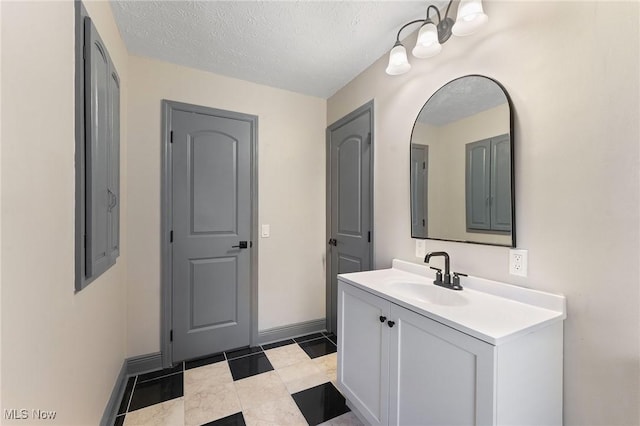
[166, 220]
[367, 107]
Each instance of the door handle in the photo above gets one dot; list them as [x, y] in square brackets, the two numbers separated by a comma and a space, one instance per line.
[113, 200]
[241, 245]
[333, 242]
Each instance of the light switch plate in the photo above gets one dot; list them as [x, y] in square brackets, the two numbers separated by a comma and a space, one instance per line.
[421, 248]
[518, 262]
[265, 231]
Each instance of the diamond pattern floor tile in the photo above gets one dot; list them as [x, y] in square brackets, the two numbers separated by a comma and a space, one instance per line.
[156, 391]
[318, 347]
[320, 403]
[249, 366]
[236, 419]
[283, 383]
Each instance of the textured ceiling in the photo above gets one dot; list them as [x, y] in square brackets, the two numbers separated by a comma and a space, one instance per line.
[461, 98]
[310, 47]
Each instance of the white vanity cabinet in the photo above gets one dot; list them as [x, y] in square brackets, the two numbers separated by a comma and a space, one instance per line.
[363, 352]
[437, 376]
[416, 372]
[397, 366]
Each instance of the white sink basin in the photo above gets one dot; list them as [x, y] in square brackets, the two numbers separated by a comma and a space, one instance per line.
[428, 293]
[491, 311]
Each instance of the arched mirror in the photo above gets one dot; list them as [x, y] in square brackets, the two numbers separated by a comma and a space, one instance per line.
[462, 185]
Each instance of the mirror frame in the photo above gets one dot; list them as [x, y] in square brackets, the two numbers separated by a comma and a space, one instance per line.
[512, 155]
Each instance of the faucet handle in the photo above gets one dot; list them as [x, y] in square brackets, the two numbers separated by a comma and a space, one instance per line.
[456, 280]
[438, 273]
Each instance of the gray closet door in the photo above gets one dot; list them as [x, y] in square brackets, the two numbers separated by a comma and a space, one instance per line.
[113, 189]
[478, 189]
[211, 170]
[97, 74]
[501, 183]
[350, 150]
[419, 186]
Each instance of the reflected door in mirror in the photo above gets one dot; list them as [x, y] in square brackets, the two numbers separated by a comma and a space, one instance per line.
[419, 185]
[488, 185]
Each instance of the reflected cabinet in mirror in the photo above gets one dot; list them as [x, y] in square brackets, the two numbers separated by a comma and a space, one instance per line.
[462, 185]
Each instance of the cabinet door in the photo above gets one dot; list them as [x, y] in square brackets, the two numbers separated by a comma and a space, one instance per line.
[478, 190]
[501, 183]
[363, 352]
[438, 376]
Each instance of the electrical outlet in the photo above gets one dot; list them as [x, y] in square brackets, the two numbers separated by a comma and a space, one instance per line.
[518, 262]
[421, 248]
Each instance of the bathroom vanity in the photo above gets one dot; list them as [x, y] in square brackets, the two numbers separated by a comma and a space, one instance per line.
[412, 353]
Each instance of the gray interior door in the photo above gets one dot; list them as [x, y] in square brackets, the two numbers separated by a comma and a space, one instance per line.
[211, 218]
[419, 186]
[350, 202]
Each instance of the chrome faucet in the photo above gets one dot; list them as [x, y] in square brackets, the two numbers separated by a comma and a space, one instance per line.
[446, 280]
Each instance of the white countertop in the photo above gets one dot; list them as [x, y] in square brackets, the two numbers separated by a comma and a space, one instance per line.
[487, 310]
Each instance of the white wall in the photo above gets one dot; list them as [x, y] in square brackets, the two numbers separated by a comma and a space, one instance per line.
[0, 210]
[291, 161]
[60, 351]
[572, 71]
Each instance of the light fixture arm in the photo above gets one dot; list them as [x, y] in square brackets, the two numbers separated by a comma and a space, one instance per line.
[405, 26]
[443, 25]
[437, 12]
[446, 14]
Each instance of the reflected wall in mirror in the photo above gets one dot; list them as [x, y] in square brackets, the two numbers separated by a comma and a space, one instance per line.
[461, 154]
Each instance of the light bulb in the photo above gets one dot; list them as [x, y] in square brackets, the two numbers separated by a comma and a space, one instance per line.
[470, 17]
[427, 44]
[398, 62]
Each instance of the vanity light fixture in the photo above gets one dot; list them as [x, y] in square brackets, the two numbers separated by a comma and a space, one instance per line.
[432, 35]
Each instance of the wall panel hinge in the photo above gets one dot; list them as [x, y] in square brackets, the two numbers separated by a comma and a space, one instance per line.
[369, 236]
[171, 136]
[424, 165]
[171, 336]
[171, 236]
[369, 138]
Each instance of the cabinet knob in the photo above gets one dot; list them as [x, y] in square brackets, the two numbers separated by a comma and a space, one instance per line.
[383, 319]
[391, 323]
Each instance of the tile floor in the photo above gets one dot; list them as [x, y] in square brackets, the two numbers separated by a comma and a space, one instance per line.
[285, 383]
